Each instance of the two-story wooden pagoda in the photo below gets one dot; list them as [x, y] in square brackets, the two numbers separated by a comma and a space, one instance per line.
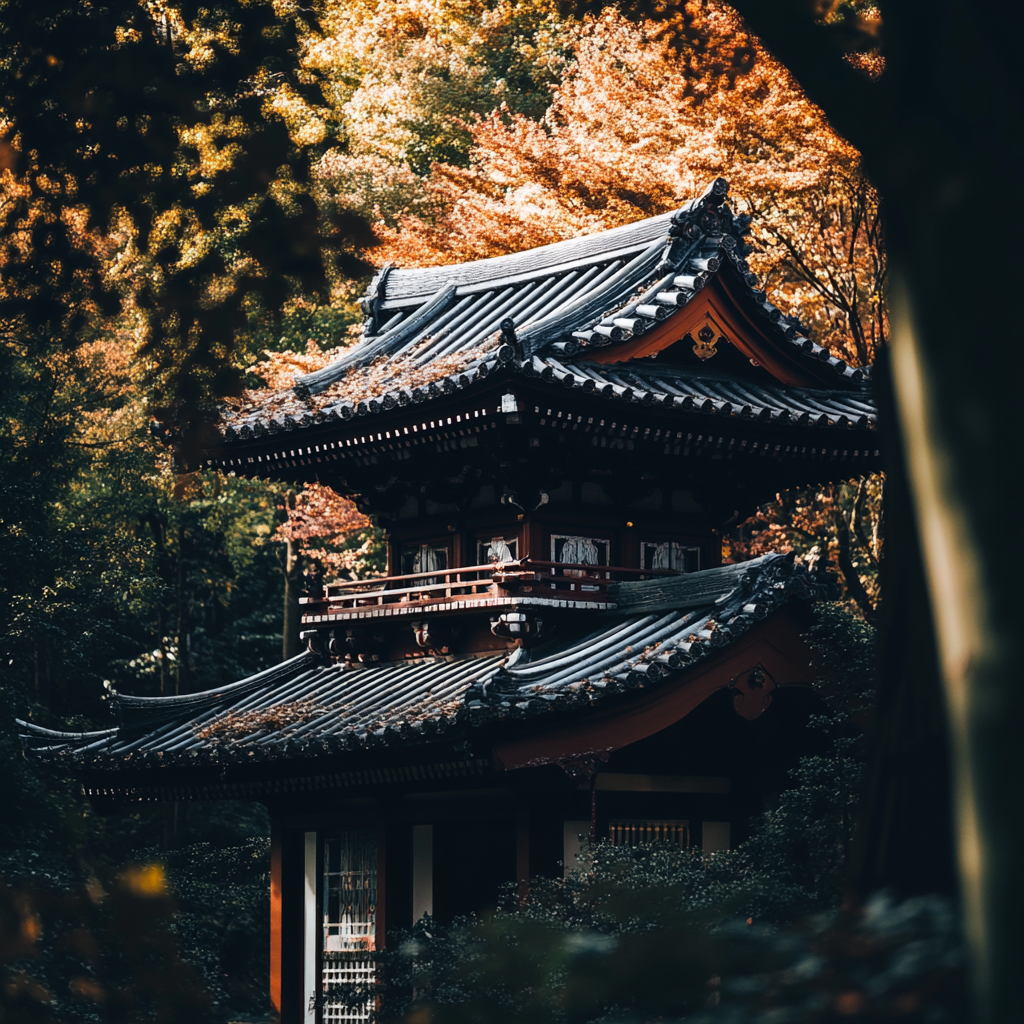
[553, 440]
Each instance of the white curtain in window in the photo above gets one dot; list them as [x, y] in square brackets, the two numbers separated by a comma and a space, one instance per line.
[667, 556]
[429, 559]
[581, 550]
[499, 551]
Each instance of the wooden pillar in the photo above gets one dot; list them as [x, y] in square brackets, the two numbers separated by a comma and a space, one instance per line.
[629, 539]
[714, 551]
[533, 540]
[287, 884]
[276, 947]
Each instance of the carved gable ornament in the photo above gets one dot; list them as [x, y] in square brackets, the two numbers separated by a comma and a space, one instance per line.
[705, 337]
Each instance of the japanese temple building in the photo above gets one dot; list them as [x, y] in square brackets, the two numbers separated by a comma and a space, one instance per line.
[553, 440]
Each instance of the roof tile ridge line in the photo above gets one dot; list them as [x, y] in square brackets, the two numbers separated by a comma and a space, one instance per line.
[179, 731]
[467, 673]
[537, 275]
[313, 383]
[645, 631]
[608, 320]
[298, 689]
[597, 281]
[423, 337]
[655, 635]
[259, 735]
[175, 719]
[372, 299]
[523, 319]
[606, 636]
[256, 736]
[659, 285]
[471, 370]
[550, 327]
[95, 744]
[793, 334]
[608, 661]
[364, 692]
[450, 343]
[713, 571]
[183, 699]
[583, 241]
[41, 731]
[359, 714]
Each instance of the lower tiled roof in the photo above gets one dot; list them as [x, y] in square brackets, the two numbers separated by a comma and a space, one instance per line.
[303, 708]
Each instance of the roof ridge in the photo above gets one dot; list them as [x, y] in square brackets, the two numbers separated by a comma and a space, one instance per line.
[419, 282]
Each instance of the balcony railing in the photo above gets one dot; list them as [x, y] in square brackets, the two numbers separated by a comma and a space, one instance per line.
[527, 576]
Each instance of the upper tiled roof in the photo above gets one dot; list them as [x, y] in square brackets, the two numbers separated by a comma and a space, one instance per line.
[582, 293]
[543, 312]
[302, 708]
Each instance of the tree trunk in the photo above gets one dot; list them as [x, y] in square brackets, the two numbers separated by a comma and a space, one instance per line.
[292, 585]
[161, 631]
[905, 837]
[181, 673]
[938, 131]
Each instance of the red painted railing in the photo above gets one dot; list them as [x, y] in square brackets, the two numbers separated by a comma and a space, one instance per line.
[525, 576]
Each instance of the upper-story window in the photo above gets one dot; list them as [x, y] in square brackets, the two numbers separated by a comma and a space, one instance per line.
[423, 558]
[669, 555]
[580, 550]
[497, 549]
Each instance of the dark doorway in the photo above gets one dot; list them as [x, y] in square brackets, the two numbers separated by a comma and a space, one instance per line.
[472, 859]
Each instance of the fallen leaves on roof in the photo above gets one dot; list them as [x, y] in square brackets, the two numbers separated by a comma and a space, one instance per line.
[359, 384]
[237, 725]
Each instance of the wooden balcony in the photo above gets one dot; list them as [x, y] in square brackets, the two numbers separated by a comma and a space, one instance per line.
[526, 581]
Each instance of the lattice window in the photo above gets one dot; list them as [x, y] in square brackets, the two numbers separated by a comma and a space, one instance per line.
[349, 970]
[349, 918]
[633, 833]
[669, 555]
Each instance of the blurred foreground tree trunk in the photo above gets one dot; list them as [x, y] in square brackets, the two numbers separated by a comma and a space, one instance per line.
[938, 130]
